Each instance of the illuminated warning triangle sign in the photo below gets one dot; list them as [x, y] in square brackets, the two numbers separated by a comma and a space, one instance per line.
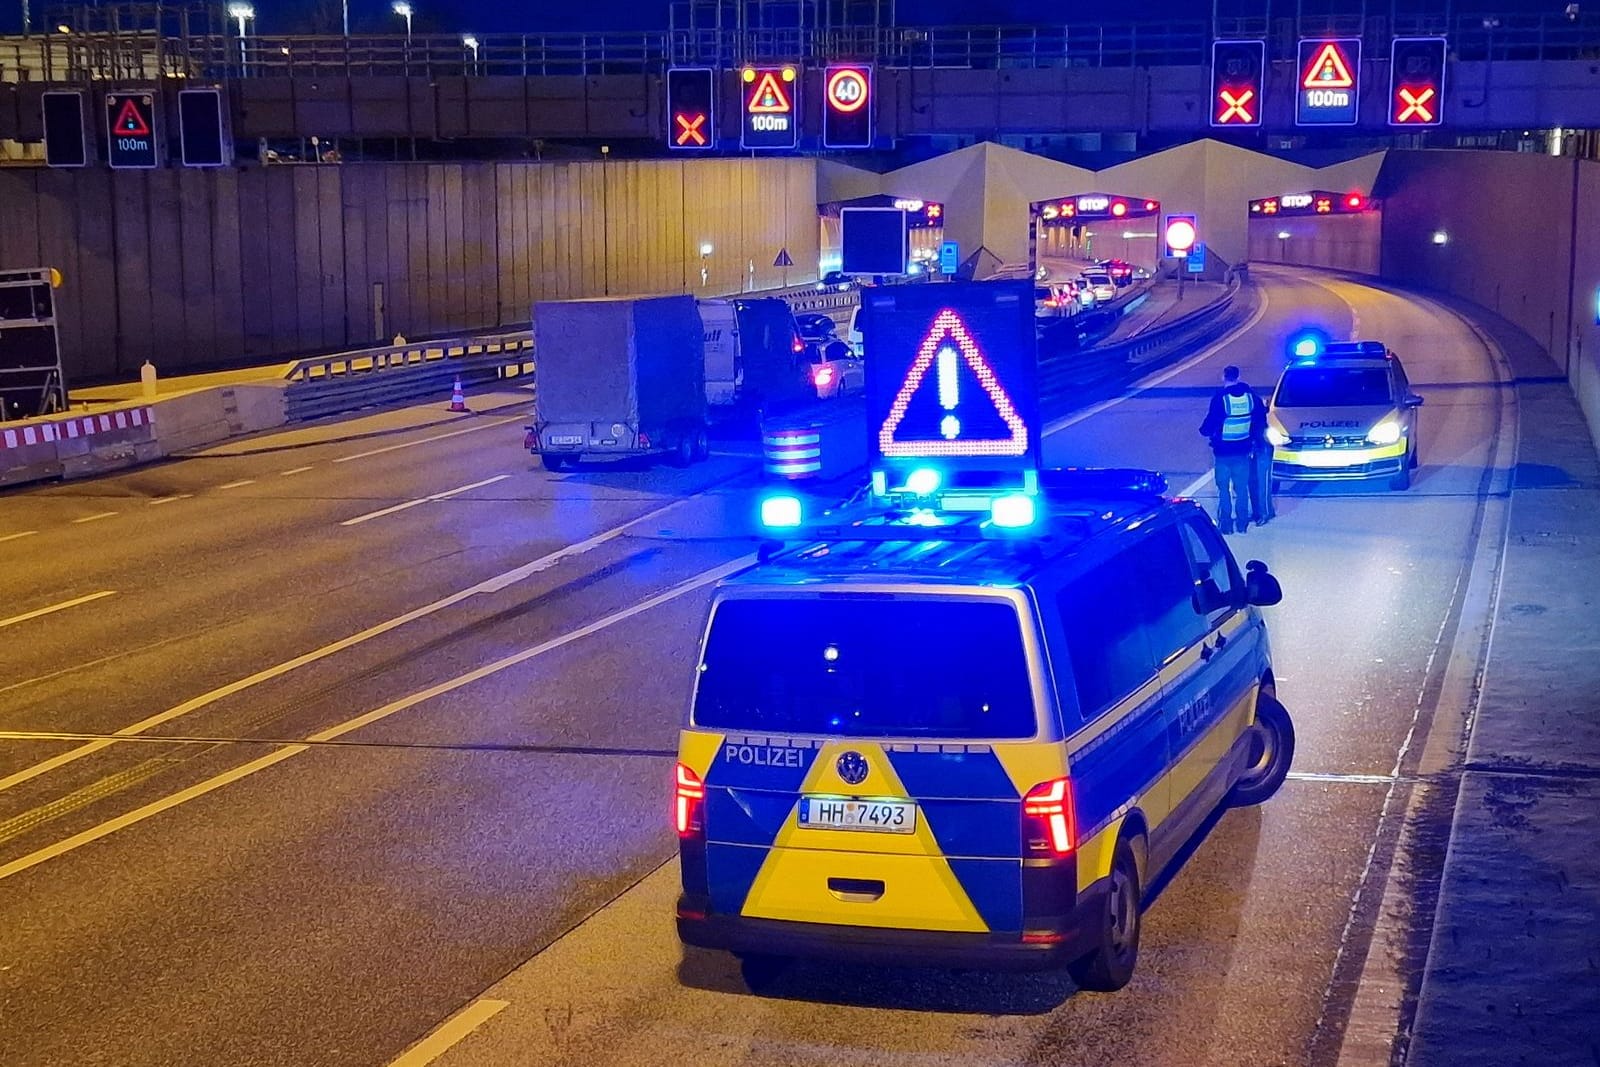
[948, 342]
[769, 97]
[1328, 70]
[130, 123]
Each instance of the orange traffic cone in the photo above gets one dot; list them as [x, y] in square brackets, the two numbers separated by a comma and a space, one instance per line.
[457, 401]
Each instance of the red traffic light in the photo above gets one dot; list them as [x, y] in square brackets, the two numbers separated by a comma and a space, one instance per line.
[1119, 209]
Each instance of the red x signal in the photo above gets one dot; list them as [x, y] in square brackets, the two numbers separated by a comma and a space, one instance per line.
[1236, 111]
[1415, 102]
[689, 128]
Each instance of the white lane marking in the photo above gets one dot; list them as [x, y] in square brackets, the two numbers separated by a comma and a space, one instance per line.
[13, 537]
[64, 605]
[293, 470]
[200, 789]
[450, 1033]
[381, 512]
[1150, 383]
[490, 585]
[1198, 484]
[1358, 779]
[170, 499]
[426, 440]
[96, 517]
[237, 484]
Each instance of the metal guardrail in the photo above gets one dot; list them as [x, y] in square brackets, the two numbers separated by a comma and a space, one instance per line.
[113, 54]
[1074, 373]
[344, 381]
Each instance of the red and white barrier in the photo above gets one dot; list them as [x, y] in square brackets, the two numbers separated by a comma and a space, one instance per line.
[73, 427]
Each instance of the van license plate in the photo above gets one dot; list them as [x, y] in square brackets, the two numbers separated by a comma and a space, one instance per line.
[839, 813]
[566, 438]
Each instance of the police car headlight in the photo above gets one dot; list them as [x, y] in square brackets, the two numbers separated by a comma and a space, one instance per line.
[1386, 432]
[1276, 437]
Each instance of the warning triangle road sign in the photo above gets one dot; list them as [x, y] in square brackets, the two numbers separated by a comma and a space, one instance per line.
[783, 259]
[769, 97]
[1328, 70]
[950, 343]
[130, 123]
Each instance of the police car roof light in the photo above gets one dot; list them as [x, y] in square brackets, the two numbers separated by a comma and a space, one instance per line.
[1103, 481]
[780, 512]
[1013, 511]
[924, 481]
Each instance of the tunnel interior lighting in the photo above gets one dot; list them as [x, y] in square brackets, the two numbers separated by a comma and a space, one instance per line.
[1440, 237]
[1284, 235]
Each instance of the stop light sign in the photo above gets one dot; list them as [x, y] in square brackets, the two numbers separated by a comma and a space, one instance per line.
[1236, 82]
[691, 108]
[1416, 81]
[1179, 234]
[847, 106]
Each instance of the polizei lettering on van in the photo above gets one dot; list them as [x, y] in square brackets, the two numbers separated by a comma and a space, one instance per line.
[762, 756]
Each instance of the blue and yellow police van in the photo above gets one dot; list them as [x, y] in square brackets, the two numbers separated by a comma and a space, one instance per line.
[968, 718]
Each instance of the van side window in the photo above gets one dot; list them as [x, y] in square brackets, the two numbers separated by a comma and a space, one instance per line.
[1103, 616]
[1212, 560]
[1402, 384]
[1169, 595]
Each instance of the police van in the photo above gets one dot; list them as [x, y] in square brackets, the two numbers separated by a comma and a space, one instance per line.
[1343, 411]
[944, 728]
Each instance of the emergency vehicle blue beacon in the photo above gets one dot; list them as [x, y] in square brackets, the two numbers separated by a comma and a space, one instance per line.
[966, 719]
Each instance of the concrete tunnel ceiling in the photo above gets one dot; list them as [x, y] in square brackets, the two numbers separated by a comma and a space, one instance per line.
[987, 189]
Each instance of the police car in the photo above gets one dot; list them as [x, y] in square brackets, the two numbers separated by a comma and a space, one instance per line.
[1343, 411]
[969, 728]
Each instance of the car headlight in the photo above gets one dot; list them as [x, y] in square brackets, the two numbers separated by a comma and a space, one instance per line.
[1386, 432]
[1276, 437]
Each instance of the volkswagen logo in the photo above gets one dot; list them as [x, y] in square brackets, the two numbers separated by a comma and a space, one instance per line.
[852, 767]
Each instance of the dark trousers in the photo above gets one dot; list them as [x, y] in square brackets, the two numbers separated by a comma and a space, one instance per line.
[1261, 485]
[1233, 479]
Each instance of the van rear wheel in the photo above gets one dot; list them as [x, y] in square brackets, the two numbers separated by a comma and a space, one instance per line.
[1109, 967]
[761, 970]
[1271, 753]
[683, 449]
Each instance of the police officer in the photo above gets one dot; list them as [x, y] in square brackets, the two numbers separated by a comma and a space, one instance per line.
[1236, 420]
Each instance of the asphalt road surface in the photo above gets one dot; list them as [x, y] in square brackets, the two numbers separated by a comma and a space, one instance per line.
[340, 734]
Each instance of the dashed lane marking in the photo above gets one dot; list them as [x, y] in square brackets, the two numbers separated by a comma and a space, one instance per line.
[381, 512]
[294, 470]
[14, 536]
[426, 440]
[237, 484]
[53, 608]
[94, 518]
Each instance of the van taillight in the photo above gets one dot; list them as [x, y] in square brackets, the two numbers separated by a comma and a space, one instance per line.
[1048, 824]
[688, 798]
[798, 344]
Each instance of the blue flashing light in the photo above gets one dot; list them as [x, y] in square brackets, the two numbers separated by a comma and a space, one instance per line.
[924, 481]
[1307, 345]
[780, 512]
[1012, 511]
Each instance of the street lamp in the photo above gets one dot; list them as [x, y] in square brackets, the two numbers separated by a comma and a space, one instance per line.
[405, 11]
[243, 13]
[469, 41]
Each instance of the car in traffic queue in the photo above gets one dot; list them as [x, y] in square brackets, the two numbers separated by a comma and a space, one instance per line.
[1101, 284]
[951, 730]
[1343, 411]
[836, 370]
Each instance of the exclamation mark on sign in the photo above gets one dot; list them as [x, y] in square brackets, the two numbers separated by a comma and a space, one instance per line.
[949, 392]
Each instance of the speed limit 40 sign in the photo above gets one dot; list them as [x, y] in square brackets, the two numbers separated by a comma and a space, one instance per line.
[847, 106]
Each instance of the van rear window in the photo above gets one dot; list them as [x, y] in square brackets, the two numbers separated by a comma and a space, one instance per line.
[866, 667]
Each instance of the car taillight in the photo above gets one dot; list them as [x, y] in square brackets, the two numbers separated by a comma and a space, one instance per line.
[798, 345]
[1048, 824]
[688, 796]
[822, 375]
[530, 441]
[644, 439]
